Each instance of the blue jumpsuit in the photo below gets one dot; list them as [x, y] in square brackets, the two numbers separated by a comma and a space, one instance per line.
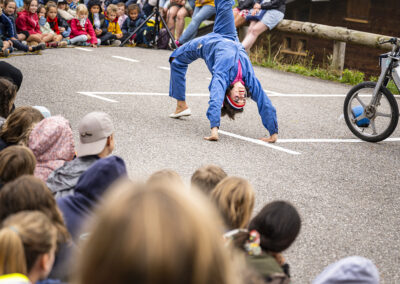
[221, 51]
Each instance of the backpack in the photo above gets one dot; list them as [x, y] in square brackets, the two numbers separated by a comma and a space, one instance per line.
[163, 39]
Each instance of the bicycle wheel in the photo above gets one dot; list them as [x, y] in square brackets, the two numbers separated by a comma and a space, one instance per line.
[369, 123]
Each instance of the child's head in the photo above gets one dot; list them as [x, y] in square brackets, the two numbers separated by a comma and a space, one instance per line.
[166, 177]
[94, 6]
[51, 11]
[8, 92]
[121, 9]
[81, 11]
[62, 5]
[112, 12]
[207, 177]
[133, 11]
[10, 7]
[278, 224]
[234, 198]
[17, 125]
[16, 161]
[30, 193]
[41, 11]
[31, 6]
[28, 244]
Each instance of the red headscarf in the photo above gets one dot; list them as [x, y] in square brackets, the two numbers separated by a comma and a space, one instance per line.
[55, 25]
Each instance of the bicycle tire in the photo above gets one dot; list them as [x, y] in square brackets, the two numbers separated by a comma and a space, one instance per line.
[394, 110]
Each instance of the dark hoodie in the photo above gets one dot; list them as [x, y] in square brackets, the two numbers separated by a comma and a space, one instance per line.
[11, 72]
[103, 25]
[89, 189]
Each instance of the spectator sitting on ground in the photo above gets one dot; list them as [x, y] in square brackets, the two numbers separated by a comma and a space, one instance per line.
[207, 177]
[353, 269]
[64, 11]
[134, 20]
[121, 14]
[98, 21]
[30, 193]
[16, 128]
[8, 92]
[16, 161]
[57, 24]
[27, 245]
[112, 25]
[154, 235]
[90, 187]
[13, 74]
[241, 11]
[234, 198]
[45, 28]
[52, 143]
[82, 32]
[96, 140]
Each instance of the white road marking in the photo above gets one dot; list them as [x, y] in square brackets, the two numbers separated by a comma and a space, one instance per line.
[90, 94]
[142, 94]
[330, 140]
[125, 58]
[259, 142]
[164, 68]
[84, 49]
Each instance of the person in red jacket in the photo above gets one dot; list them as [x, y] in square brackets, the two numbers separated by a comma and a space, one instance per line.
[82, 31]
[28, 23]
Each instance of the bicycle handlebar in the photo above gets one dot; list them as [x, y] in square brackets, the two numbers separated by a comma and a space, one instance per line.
[393, 40]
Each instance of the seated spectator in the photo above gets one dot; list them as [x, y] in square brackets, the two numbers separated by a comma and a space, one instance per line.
[98, 21]
[90, 187]
[57, 24]
[30, 193]
[16, 161]
[178, 11]
[64, 11]
[8, 92]
[166, 177]
[5, 28]
[134, 20]
[204, 10]
[353, 269]
[241, 11]
[13, 74]
[16, 128]
[207, 177]
[265, 15]
[112, 25]
[121, 14]
[82, 32]
[72, 4]
[46, 29]
[272, 231]
[96, 140]
[27, 245]
[52, 143]
[168, 236]
[234, 198]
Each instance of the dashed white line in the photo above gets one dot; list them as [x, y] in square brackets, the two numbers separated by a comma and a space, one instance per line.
[330, 140]
[164, 68]
[259, 142]
[84, 49]
[125, 58]
[90, 94]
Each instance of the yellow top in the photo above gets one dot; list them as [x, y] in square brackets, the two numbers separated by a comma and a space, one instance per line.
[16, 278]
[113, 27]
[205, 2]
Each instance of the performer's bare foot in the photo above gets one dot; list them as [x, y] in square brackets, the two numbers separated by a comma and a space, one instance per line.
[214, 135]
[272, 139]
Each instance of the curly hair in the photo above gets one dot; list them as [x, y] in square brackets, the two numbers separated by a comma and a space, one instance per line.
[8, 92]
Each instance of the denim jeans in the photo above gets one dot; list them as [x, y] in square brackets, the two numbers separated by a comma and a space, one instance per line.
[200, 14]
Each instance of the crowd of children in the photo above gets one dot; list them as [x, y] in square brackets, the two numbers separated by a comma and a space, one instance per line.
[70, 214]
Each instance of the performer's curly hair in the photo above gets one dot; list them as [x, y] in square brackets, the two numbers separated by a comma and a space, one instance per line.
[227, 109]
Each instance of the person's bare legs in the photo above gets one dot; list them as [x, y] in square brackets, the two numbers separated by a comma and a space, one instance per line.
[34, 38]
[239, 20]
[171, 18]
[47, 37]
[180, 106]
[180, 21]
[255, 29]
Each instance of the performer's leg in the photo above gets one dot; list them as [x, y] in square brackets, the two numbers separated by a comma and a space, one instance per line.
[224, 21]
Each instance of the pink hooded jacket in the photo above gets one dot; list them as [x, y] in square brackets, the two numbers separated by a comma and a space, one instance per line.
[52, 143]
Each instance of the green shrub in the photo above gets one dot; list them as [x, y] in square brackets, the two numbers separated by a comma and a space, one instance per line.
[352, 77]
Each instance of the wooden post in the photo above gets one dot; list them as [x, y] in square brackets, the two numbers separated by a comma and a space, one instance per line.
[339, 52]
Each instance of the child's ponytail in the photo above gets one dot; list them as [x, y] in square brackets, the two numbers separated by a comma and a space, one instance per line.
[12, 256]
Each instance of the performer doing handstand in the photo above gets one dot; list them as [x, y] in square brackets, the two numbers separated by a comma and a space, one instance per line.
[233, 77]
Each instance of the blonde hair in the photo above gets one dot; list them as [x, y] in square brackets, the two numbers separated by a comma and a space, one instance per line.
[155, 234]
[234, 197]
[207, 177]
[112, 8]
[165, 176]
[81, 9]
[23, 238]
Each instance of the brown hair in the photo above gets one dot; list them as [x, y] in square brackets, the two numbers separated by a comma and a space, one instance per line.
[16, 161]
[133, 7]
[152, 234]
[121, 4]
[207, 177]
[23, 238]
[40, 7]
[8, 92]
[49, 6]
[27, 4]
[234, 198]
[30, 193]
[165, 176]
[6, 2]
[17, 125]
[112, 8]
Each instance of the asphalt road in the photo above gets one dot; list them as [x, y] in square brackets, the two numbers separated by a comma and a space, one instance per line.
[347, 193]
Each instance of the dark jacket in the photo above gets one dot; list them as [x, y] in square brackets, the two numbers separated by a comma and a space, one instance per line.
[270, 270]
[129, 25]
[11, 72]
[103, 25]
[4, 144]
[245, 4]
[63, 180]
[13, 32]
[279, 5]
[89, 189]
[6, 27]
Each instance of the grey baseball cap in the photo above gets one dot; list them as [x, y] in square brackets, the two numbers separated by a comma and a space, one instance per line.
[94, 128]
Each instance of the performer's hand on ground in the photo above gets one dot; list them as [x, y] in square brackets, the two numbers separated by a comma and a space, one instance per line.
[214, 135]
[272, 139]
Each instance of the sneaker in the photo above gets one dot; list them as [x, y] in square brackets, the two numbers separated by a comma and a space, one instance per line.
[62, 44]
[52, 44]
[40, 46]
[178, 44]
[24, 42]
[116, 42]
[11, 49]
